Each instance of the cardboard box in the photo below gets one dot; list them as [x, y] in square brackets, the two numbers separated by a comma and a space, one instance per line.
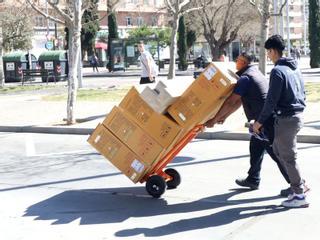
[118, 153]
[162, 95]
[160, 127]
[204, 97]
[128, 132]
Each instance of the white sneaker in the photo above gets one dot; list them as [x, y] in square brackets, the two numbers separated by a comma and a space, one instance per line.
[296, 201]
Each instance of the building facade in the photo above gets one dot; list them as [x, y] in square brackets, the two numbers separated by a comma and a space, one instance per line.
[131, 14]
[293, 23]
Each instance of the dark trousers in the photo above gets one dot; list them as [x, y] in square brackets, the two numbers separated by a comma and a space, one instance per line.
[95, 67]
[257, 150]
[145, 80]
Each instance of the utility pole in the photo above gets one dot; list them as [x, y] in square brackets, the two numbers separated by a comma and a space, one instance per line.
[304, 28]
[275, 11]
[281, 22]
[1, 62]
[47, 12]
[288, 31]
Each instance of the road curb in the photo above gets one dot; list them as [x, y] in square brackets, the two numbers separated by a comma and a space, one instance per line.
[224, 135]
[49, 130]
[246, 136]
[131, 75]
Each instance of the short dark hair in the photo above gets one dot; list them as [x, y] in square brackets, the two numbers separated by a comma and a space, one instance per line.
[275, 42]
[247, 56]
[141, 42]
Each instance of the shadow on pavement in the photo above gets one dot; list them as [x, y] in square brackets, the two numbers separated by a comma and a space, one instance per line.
[217, 219]
[114, 205]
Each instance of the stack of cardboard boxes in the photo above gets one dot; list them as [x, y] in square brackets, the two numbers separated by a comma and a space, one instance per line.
[137, 134]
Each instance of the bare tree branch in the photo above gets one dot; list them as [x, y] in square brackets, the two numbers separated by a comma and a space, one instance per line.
[65, 16]
[256, 6]
[168, 2]
[193, 9]
[184, 3]
[33, 5]
[281, 8]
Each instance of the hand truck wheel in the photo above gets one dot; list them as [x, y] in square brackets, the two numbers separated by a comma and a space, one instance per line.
[156, 186]
[176, 179]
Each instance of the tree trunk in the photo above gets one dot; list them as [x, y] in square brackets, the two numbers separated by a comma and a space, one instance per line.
[74, 56]
[264, 33]
[216, 52]
[172, 66]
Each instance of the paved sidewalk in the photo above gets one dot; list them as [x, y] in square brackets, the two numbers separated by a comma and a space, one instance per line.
[19, 113]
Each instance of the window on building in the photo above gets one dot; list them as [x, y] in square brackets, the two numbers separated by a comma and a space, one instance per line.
[146, 2]
[40, 21]
[51, 23]
[128, 21]
[139, 21]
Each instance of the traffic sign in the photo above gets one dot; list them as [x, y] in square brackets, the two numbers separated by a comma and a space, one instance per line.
[49, 45]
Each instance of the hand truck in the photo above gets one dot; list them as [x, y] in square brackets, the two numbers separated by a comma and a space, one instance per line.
[158, 180]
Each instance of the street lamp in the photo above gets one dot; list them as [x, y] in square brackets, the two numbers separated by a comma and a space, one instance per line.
[53, 2]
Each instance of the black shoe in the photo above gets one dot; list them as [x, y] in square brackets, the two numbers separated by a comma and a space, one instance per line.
[286, 192]
[245, 183]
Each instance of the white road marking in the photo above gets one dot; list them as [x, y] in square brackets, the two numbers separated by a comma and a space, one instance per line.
[63, 153]
[30, 147]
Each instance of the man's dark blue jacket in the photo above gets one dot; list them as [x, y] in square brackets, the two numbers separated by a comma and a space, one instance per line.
[286, 95]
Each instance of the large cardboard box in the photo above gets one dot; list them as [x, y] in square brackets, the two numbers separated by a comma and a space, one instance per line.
[160, 127]
[137, 139]
[204, 97]
[164, 93]
[118, 153]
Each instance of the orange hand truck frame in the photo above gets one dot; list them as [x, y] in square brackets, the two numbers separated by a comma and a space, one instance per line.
[158, 180]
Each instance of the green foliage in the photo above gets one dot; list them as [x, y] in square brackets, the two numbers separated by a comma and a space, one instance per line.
[103, 37]
[113, 34]
[66, 33]
[17, 28]
[314, 33]
[90, 27]
[182, 45]
[191, 38]
[144, 32]
[312, 92]
[100, 95]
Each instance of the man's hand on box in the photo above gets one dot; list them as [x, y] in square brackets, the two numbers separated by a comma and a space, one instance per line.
[210, 123]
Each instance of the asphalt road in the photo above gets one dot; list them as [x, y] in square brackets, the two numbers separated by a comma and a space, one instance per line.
[58, 187]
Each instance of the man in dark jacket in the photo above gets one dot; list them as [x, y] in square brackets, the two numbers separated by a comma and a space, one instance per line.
[286, 97]
[251, 92]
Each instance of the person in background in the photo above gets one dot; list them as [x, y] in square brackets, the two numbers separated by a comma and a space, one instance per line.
[223, 56]
[250, 92]
[298, 53]
[286, 97]
[148, 71]
[94, 62]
